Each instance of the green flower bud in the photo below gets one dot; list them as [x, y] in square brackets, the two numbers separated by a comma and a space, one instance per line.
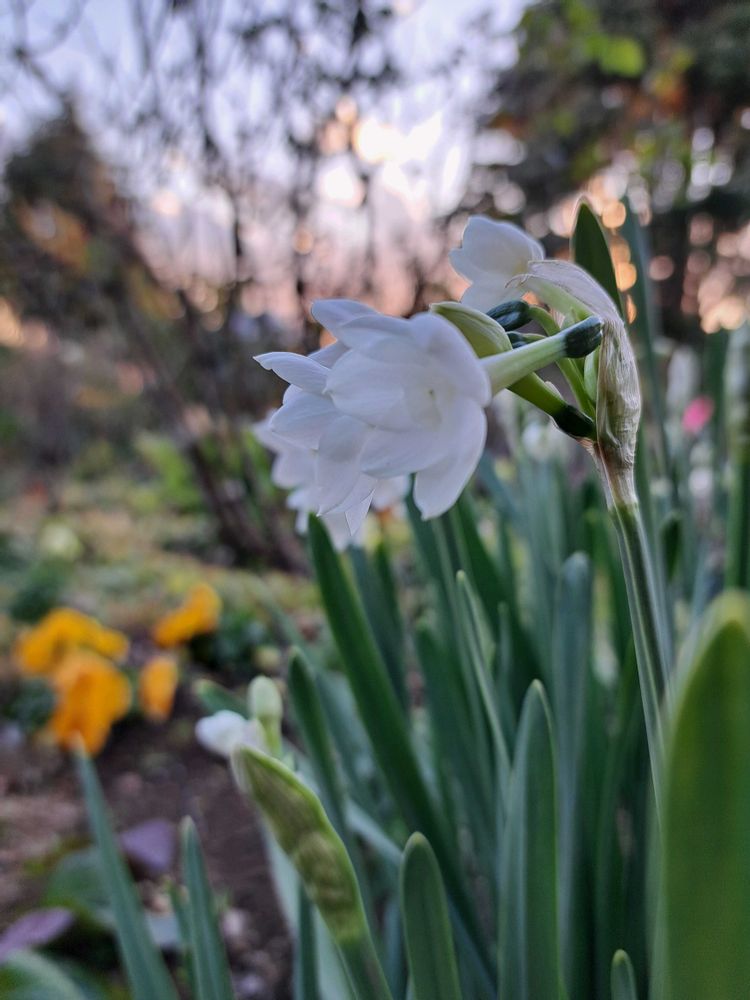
[265, 705]
[304, 832]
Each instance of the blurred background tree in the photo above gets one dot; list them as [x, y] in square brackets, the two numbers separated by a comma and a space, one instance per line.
[637, 97]
[181, 179]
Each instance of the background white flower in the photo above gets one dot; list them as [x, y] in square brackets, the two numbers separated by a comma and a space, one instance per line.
[491, 254]
[223, 731]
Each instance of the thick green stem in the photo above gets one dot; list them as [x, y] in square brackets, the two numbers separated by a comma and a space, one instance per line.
[364, 970]
[738, 529]
[644, 615]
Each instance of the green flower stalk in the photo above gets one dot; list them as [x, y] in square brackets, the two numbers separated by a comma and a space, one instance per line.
[502, 262]
[738, 426]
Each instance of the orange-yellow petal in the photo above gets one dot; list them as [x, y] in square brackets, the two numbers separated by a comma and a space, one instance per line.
[91, 695]
[198, 614]
[41, 649]
[156, 687]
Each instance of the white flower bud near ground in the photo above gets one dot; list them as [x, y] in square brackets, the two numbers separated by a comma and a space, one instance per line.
[223, 731]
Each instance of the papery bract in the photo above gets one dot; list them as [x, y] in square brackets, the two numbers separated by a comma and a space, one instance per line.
[572, 291]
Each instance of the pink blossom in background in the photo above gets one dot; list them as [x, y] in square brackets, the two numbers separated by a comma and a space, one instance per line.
[697, 414]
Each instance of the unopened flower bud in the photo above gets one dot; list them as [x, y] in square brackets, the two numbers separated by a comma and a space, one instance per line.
[265, 705]
[304, 832]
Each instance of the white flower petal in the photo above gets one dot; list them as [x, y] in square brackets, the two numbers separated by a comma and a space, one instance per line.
[397, 453]
[369, 390]
[355, 516]
[496, 248]
[330, 354]
[447, 345]
[332, 313]
[303, 418]
[339, 530]
[296, 369]
[486, 293]
[383, 338]
[437, 487]
[337, 466]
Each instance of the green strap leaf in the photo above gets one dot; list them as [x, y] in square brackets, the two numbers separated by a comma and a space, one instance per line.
[381, 713]
[569, 692]
[706, 831]
[24, 975]
[589, 249]
[529, 952]
[146, 972]
[623, 978]
[305, 953]
[429, 943]
[372, 689]
[212, 979]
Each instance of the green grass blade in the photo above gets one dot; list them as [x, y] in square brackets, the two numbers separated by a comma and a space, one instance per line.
[647, 329]
[381, 714]
[372, 689]
[212, 979]
[706, 833]
[309, 714]
[473, 629]
[145, 969]
[429, 943]
[24, 975]
[529, 952]
[216, 698]
[623, 978]
[305, 953]
[569, 698]
[379, 607]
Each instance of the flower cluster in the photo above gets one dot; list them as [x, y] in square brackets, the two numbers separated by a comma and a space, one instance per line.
[91, 695]
[80, 660]
[392, 398]
[197, 615]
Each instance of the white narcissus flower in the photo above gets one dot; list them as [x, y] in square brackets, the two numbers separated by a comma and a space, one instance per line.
[328, 479]
[223, 731]
[492, 253]
[400, 397]
[422, 392]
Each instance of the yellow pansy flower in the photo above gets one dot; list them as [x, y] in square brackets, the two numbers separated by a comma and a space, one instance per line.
[91, 695]
[40, 649]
